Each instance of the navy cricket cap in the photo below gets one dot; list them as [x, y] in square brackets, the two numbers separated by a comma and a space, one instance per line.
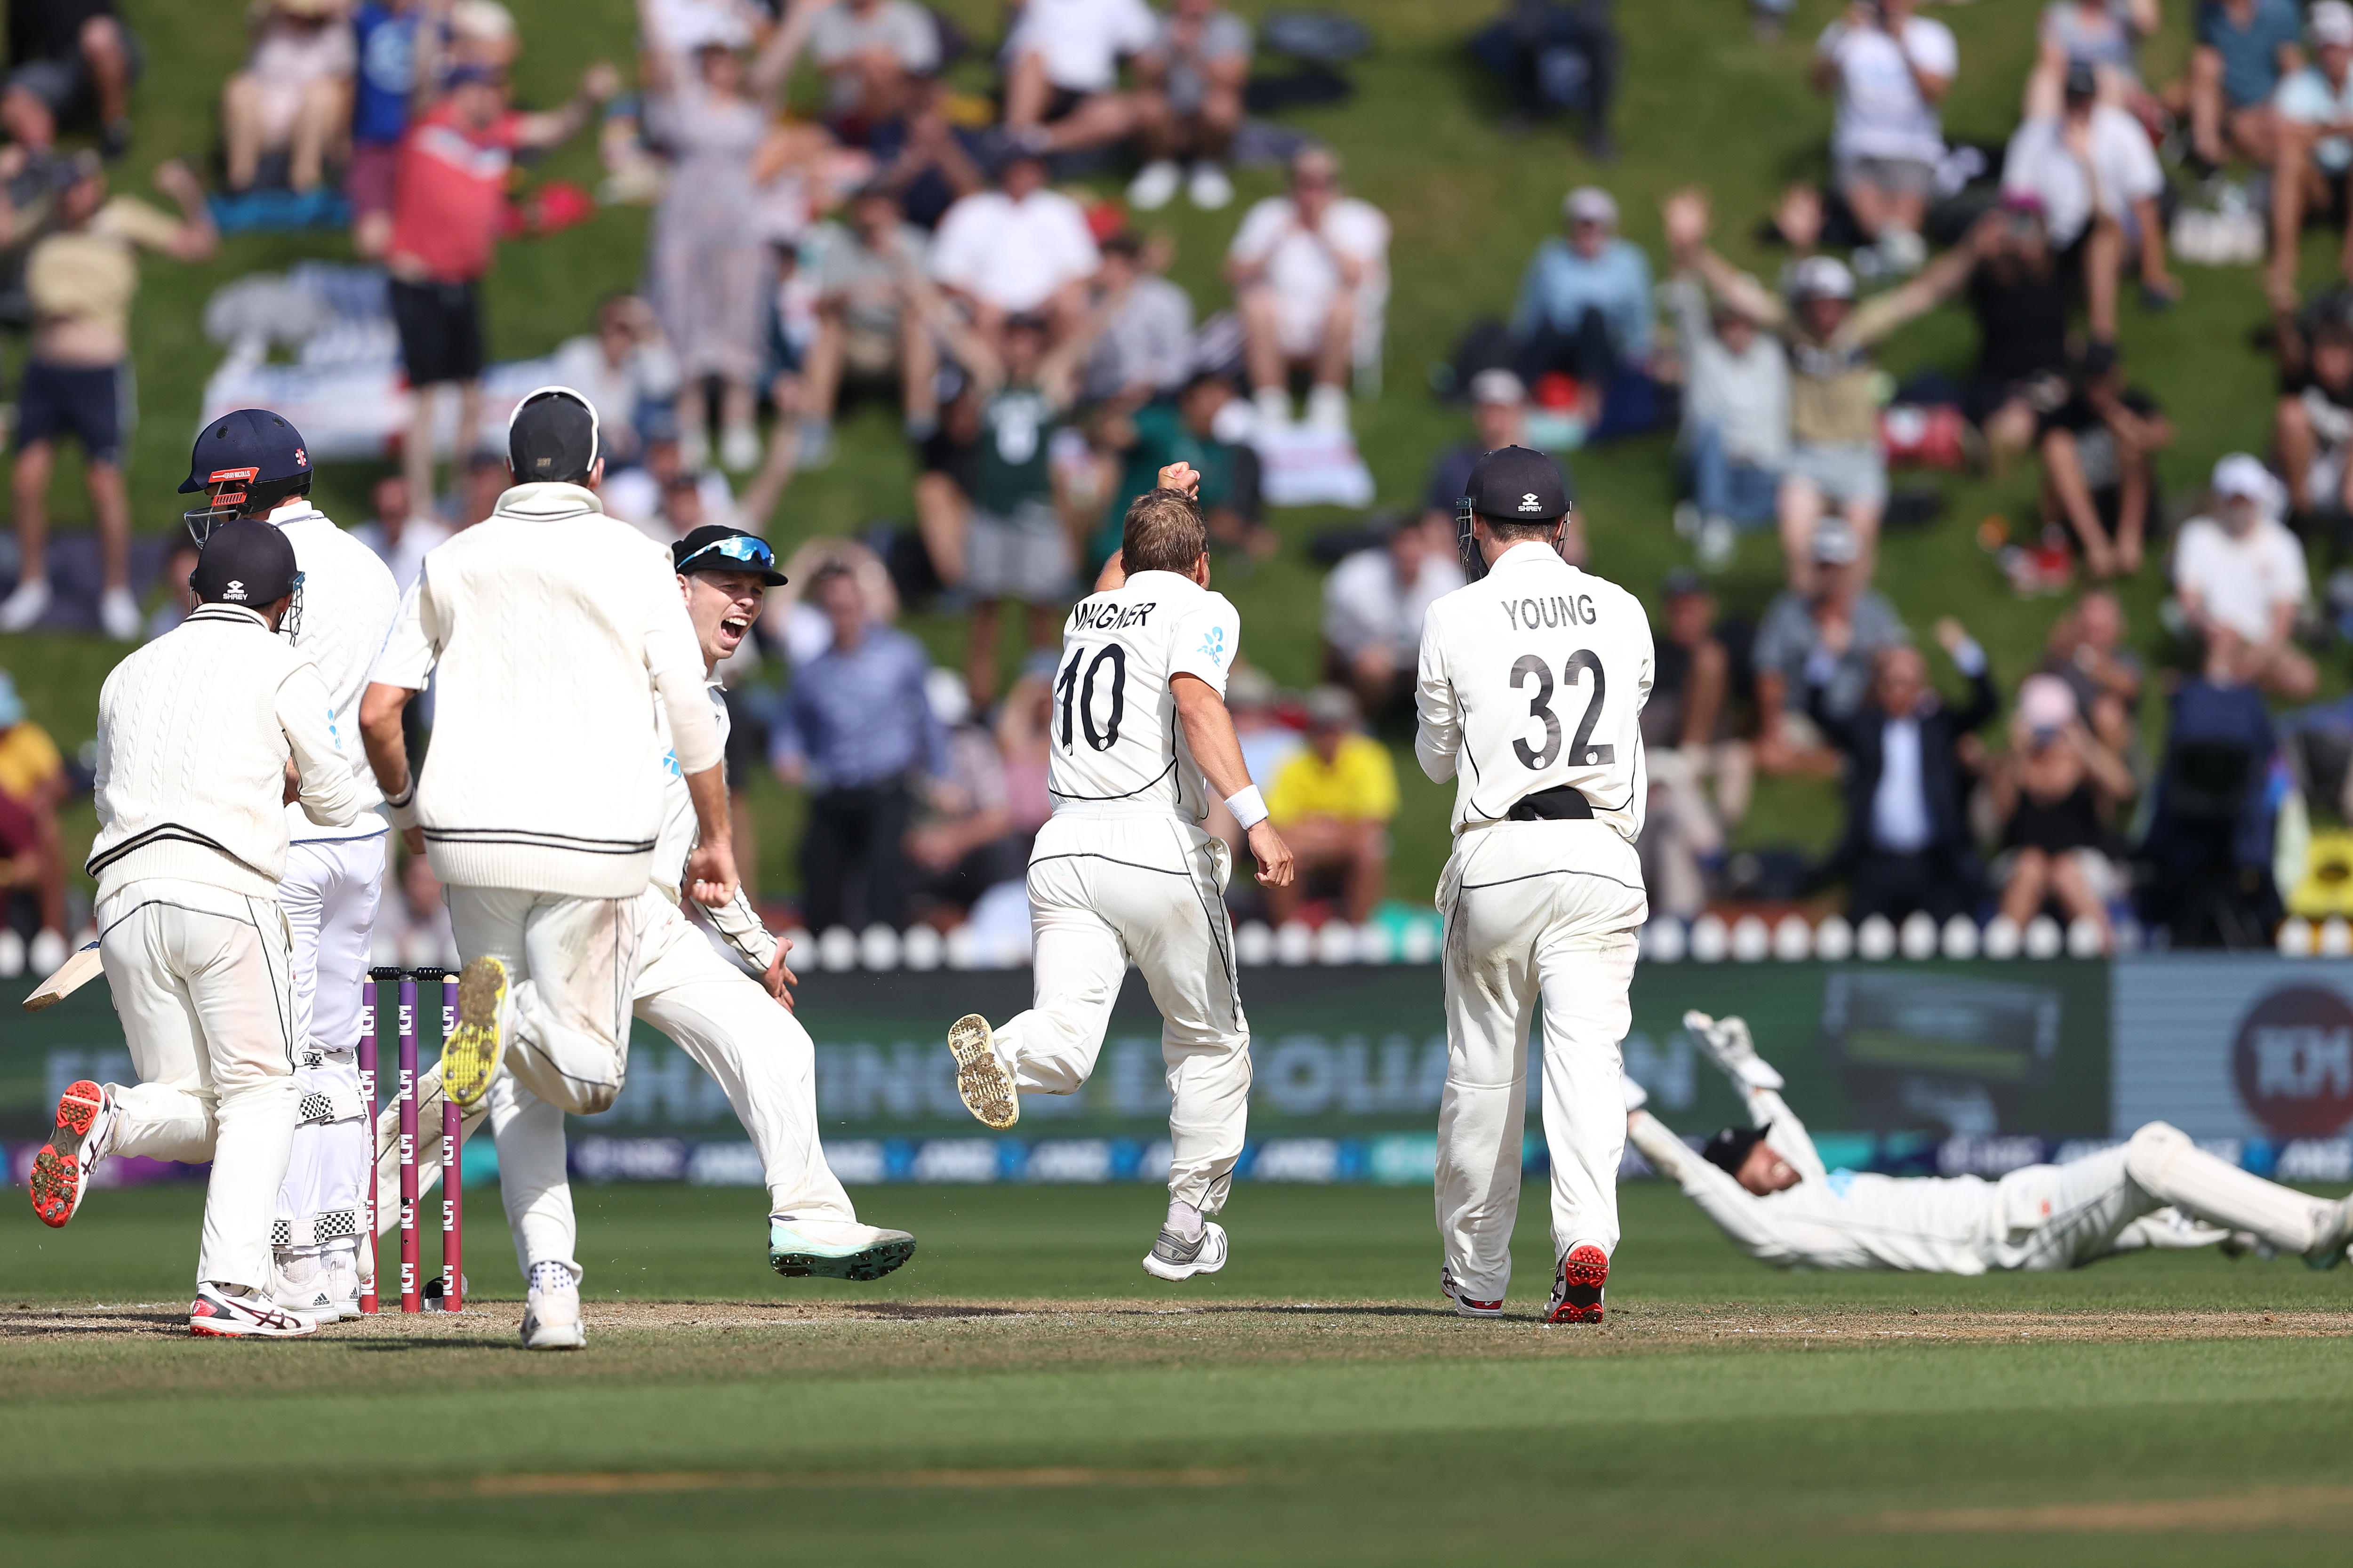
[1513, 484]
[1728, 1149]
[552, 437]
[244, 563]
[717, 547]
[251, 445]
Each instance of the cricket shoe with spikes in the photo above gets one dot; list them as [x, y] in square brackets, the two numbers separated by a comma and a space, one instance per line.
[61, 1170]
[302, 1281]
[1727, 1045]
[984, 1082]
[551, 1320]
[471, 1057]
[1466, 1306]
[834, 1250]
[1576, 1288]
[224, 1313]
[1174, 1257]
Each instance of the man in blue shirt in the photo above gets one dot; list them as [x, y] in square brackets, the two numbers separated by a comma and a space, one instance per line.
[1585, 303]
[396, 42]
[2244, 48]
[853, 730]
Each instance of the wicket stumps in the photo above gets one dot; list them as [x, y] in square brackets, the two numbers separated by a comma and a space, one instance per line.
[453, 1202]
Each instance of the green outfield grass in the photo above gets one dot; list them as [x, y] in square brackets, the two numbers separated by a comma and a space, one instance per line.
[1017, 1394]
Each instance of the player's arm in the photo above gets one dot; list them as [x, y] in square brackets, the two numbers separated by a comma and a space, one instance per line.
[399, 675]
[1438, 736]
[740, 927]
[1218, 752]
[1738, 1212]
[674, 661]
[325, 786]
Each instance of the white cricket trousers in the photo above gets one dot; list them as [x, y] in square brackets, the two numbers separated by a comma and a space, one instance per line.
[571, 963]
[202, 980]
[1534, 910]
[1105, 890]
[328, 894]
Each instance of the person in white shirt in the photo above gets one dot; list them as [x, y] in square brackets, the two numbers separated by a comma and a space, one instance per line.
[621, 368]
[1766, 1186]
[2241, 576]
[2313, 110]
[1889, 69]
[1020, 249]
[399, 535]
[1189, 103]
[2090, 165]
[1311, 275]
[541, 811]
[1061, 71]
[204, 736]
[872, 51]
[1123, 871]
[1532, 685]
[1374, 602]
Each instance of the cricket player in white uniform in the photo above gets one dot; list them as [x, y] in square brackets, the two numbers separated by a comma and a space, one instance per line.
[1531, 683]
[198, 734]
[544, 628]
[253, 463]
[1122, 872]
[1765, 1188]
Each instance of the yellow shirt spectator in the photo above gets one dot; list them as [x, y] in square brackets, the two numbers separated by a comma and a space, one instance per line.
[29, 760]
[1358, 784]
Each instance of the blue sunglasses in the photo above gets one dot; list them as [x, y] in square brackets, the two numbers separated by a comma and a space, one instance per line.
[742, 547]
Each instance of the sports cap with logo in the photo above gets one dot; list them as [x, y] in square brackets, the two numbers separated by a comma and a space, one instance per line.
[552, 437]
[1509, 485]
[1728, 1149]
[717, 547]
[248, 459]
[245, 562]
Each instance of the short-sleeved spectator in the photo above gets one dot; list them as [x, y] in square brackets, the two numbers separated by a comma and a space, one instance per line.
[1840, 616]
[1499, 417]
[1310, 273]
[2312, 422]
[293, 95]
[2309, 112]
[2241, 577]
[1687, 730]
[625, 370]
[2104, 200]
[1188, 101]
[1188, 431]
[397, 45]
[1889, 73]
[1374, 602]
[1061, 71]
[1020, 249]
[1333, 802]
[1146, 347]
[1584, 305]
[865, 329]
[2103, 34]
[2099, 447]
[78, 58]
[2244, 48]
[2054, 791]
[870, 51]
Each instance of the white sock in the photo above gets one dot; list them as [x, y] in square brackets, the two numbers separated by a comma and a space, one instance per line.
[1185, 1220]
[546, 1278]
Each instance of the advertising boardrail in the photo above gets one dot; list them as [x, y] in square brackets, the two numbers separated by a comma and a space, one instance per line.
[1928, 1064]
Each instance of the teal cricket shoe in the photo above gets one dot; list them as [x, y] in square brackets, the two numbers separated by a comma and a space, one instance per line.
[834, 1250]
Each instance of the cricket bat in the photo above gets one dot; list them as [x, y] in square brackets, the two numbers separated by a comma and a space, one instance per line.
[74, 973]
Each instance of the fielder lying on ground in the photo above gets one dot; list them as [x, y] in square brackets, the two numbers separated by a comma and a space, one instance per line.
[1765, 1188]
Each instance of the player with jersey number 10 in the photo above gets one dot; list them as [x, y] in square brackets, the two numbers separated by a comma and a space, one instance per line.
[1533, 678]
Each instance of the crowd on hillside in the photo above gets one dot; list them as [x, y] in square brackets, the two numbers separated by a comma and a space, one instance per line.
[947, 230]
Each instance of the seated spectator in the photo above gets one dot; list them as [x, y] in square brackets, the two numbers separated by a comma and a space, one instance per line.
[1186, 431]
[1889, 70]
[872, 53]
[923, 159]
[395, 48]
[292, 97]
[1333, 802]
[865, 329]
[2055, 791]
[1688, 742]
[1584, 307]
[1735, 442]
[1499, 416]
[2313, 155]
[624, 369]
[78, 58]
[174, 604]
[2099, 450]
[1146, 348]
[2207, 860]
[2312, 423]
[2087, 651]
[1374, 602]
[80, 278]
[1020, 249]
[2090, 165]
[2104, 35]
[2244, 48]
[635, 495]
[397, 530]
[1556, 57]
[964, 842]
[2018, 294]
[1061, 71]
[1310, 272]
[1838, 615]
[476, 495]
[1188, 99]
[2240, 578]
[854, 731]
[1907, 845]
[33, 784]
[1268, 744]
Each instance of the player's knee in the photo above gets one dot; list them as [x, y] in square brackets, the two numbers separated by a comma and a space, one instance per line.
[2151, 1149]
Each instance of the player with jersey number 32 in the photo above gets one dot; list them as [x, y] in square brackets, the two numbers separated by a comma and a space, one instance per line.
[1533, 676]
[1123, 871]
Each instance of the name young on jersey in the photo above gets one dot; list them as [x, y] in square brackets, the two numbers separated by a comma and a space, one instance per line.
[1528, 614]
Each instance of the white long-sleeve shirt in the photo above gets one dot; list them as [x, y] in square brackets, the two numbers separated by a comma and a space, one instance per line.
[736, 921]
[194, 731]
[550, 629]
[349, 604]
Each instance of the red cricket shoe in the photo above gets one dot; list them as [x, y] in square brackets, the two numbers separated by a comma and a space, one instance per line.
[1465, 1306]
[1576, 1289]
[61, 1170]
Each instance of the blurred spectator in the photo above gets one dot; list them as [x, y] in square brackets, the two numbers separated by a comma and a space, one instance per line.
[966, 842]
[412, 925]
[2244, 48]
[1584, 307]
[2104, 35]
[854, 730]
[1736, 423]
[1019, 249]
[80, 277]
[2099, 449]
[172, 607]
[1499, 415]
[1907, 845]
[635, 495]
[1889, 70]
[1333, 802]
[1061, 71]
[2207, 860]
[477, 492]
[2087, 651]
[2312, 423]
[396, 44]
[1146, 349]
[77, 56]
[1310, 273]
[2314, 155]
[1024, 734]
[1687, 740]
[1268, 744]
[449, 197]
[2090, 165]
[1374, 602]
[33, 783]
[293, 95]
[1840, 615]
[1556, 56]
[482, 33]
[871, 52]
[1186, 431]
[2240, 577]
[923, 159]
[2018, 295]
[947, 463]
[865, 329]
[397, 530]
[624, 368]
[792, 620]
[2054, 791]
[1188, 101]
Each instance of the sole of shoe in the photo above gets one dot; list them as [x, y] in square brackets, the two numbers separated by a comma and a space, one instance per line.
[982, 1082]
[470, 1059]
[1583, 1273]
[59, 1174]
[866, 1263]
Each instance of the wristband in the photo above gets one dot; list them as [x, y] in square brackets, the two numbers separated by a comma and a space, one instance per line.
[401, 810]
[1247, 806]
